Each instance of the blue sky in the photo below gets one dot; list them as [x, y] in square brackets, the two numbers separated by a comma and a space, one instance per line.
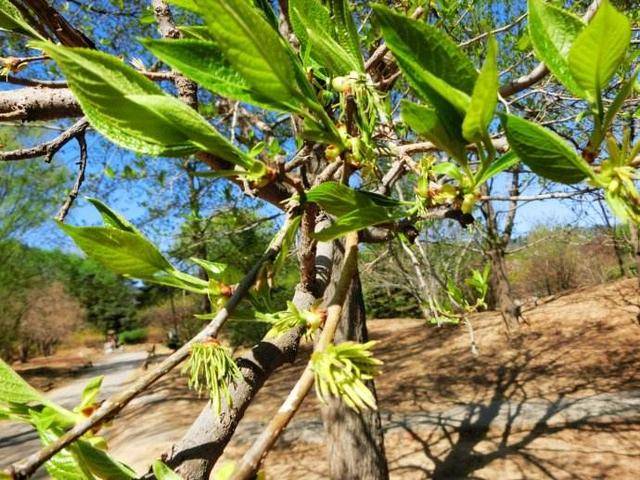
[129, 198]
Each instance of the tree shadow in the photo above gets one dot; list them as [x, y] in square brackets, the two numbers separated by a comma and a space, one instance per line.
[459, 442]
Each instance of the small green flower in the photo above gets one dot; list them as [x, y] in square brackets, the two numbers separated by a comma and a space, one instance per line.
[290, 318]
[341, 370]
[211, 368]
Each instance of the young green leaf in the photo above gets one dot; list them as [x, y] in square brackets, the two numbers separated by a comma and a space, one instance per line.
[552, 31]
[357, 220]
[599, 49]
[100, 463]
[503, 163]
[112, 218]
[254, 49]
[347, 31]
[483, 99]
[202, 62]
[545, 152]
[305, 13]
[90, 392]
[132, 111]
[338, 199]
[122, 252]
[13, 389]
[425, 121]
[12, 20]
[623, 93]
[328, 53]
[162, 472]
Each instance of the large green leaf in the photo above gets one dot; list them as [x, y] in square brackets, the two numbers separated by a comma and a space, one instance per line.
[122, 252]
[424, 121]
[552, 31]
[203, 63]
[132, 111]
[484, 98]
[599, 49]
[13, 389]
[432, 64]
[12, 20]
[546, 153]
[254, 49]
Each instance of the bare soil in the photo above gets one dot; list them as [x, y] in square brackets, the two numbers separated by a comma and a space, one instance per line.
[560, 399]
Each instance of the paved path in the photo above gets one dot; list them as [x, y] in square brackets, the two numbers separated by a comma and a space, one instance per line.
[19, 440]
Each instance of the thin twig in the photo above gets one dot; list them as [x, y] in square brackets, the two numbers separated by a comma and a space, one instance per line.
[82, 166]
[48, 149]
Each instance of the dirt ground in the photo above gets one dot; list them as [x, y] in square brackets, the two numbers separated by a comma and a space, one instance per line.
[561, 400]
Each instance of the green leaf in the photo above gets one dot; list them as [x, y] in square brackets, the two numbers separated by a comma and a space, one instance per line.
[13, 389]
[124, 253]
[304, 13]
[100, 463]
[338, 199]
[599, 49]
[193, 126]
[254, 49]
[546, 153]
[328, 53]
[357, 220]
[132, 111]
[432, 64]
[552, 31]
[355, 209]
[12, 20]
[90, 392]
[503, 163]
[347, 31]
[623, 93]
[112, 218]
[425, 121]
[484, 98]
[162, 472]
[203, 63]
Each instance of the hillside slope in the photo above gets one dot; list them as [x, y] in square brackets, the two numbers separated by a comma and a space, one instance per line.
[562, 400]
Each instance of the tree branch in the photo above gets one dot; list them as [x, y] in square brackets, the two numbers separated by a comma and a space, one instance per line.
[250, 462]
[82, 165]
[48, 149]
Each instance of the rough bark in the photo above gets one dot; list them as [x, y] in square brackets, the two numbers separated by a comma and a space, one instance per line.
[635, 245]
[355, 441]
[34, 103]
[194, 456]
[501, 291]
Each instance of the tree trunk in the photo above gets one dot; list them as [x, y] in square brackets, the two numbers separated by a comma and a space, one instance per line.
[501, 290]
[355, 441]
[635, 245]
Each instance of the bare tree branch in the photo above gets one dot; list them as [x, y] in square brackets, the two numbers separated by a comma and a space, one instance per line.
[82, 165]
[48, 149]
